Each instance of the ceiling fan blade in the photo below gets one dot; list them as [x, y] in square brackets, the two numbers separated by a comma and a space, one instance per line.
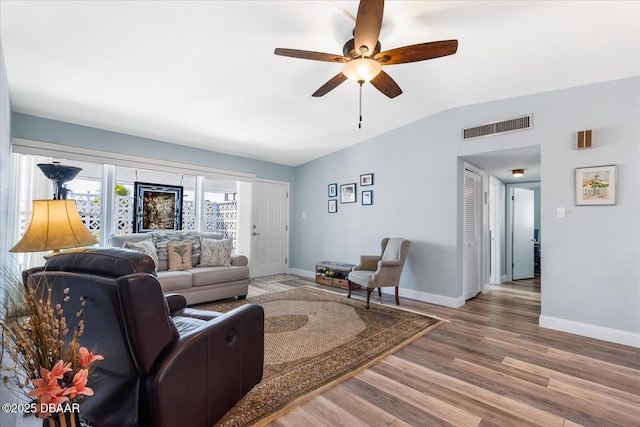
[385, 84]
[307, 54]
[330, 85]
[417, 52]
[368, 24]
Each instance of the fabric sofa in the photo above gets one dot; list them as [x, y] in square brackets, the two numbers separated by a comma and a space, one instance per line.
[197, 283]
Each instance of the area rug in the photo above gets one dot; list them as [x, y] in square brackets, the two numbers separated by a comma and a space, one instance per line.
[313, 340]
[278, 278]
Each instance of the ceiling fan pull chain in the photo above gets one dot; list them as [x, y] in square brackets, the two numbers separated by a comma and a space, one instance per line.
[360, 122]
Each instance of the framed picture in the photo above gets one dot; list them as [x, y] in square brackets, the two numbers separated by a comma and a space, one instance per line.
[367, 197]
[333, 190]
[156, 207]
[348, 193]
[333, 206]
[366, 179]
[596, 185]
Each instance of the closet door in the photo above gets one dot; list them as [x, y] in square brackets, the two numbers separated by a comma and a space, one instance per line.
[472, 267]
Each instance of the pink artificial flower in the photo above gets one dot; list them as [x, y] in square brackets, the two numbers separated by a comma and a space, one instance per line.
[47, 385]
[79, 385]
[55, 400]
[87, 358]
[58, 370]
[45, 389]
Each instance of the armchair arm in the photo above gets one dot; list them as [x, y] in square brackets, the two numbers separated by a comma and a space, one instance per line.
[175, 302]
[178, 307]
[388, 272]
[209, 369]
[386, 263]
[239, 260]
[368, 262]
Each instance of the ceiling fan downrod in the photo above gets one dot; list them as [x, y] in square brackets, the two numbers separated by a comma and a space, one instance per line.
[360, 106]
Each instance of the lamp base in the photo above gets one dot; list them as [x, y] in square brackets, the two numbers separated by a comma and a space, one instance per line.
[52, 253]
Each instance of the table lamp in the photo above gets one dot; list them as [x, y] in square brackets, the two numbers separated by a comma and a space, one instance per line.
[55, 225]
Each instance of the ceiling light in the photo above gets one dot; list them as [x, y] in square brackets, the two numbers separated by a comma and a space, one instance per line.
[517, 173]
[362, 70]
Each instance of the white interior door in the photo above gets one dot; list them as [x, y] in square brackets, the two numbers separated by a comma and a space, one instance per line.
[494, 272]
[472, 256]
[269, 229]
[523, 241]
[497, 230]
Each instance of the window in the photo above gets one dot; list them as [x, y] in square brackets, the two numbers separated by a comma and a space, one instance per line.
[110, 210]
[220, 208]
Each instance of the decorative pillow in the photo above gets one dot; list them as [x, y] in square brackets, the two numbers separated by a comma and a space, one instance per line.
[146, 247]
[179, 255]
[162, 238]
[215, 253]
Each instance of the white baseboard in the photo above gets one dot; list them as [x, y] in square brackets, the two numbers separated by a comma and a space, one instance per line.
[302, 273]
[403, 292]
[577, 328]
[591, 331]
[426, 297]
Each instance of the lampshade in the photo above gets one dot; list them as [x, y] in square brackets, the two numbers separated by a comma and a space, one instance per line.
[517, 173]
[55, 225]
[362, 69]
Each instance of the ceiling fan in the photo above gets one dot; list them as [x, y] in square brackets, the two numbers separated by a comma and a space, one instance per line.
[362, 56]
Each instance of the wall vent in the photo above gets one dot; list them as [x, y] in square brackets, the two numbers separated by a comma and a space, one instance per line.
[495, 128]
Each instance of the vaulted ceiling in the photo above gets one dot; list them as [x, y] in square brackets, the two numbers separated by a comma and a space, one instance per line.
[203, 73]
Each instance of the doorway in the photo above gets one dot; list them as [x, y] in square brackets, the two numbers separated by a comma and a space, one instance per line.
[522, 234]
[269, 228]
[496, 234]
[523, 230]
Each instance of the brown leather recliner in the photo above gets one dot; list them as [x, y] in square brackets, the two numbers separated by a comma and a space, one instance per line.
[164, 364]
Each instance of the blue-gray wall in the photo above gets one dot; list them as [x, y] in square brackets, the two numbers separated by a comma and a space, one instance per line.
[590, 262]
[40, 129]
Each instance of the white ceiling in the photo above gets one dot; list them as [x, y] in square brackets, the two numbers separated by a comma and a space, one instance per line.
[502, 163]
[203, 73]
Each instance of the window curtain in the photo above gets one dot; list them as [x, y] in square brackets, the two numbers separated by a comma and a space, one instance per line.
[29, 184]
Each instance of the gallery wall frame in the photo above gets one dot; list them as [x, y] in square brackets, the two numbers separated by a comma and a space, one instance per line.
[595, 185]
[332, 190]
[156, 207]
[333, 206]
[366, 179]
[367, 198]
[348, 193]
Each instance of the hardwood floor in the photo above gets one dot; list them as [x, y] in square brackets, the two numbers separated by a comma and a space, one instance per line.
[490, 365]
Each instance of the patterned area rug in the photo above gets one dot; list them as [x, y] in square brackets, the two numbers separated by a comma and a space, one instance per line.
[278, 278]
[313, 340]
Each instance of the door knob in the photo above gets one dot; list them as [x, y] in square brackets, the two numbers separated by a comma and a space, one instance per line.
[255, 234]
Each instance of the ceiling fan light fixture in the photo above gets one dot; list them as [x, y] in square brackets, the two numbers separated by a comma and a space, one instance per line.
[517, 173]
[362, 69]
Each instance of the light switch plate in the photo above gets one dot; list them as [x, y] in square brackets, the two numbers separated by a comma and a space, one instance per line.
[561, 212]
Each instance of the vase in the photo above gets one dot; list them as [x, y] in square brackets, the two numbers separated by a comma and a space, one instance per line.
[62, 419]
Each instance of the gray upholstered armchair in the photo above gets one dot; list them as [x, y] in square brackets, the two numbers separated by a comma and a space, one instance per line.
[382, 270]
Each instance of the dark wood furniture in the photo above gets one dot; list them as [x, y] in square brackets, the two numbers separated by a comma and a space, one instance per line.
[333, 273]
